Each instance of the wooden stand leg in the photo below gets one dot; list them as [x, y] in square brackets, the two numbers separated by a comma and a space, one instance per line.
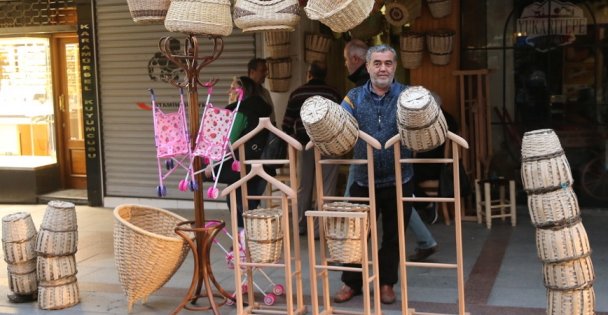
[487, 204]
[478, 201]
[512, 202]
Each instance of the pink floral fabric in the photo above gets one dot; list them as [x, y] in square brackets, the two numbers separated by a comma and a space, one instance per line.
[171, 136]
[213, 132]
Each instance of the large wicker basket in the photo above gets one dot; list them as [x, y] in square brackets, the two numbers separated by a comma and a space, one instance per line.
[440, 8]
[279, 74]
[266, 15]
[401, 12]
[563, 243]
[276, 45]
[264, 234]
[147, 251]
[317, 47]
[440, 44]
[148, 11]
[544, 165]
[210, 17]
[332, 129]
[569, 275]
[569, 302]
[343, 235]
[339, 15]
[555, 208]
[421, 123]
[59, 216]
[411, 48]
[59, 294]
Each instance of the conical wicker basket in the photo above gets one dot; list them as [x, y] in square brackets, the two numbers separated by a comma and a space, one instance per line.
[317, 46]
[59, 216]
[332, 129]
[440, 44]
[569, 302]
[266, 15]
[569, 275]
[401, 12]
[421, 123]
[276, 44]
[209, 17]
[339, 15]
[343, 235]
[556, 208]
[55, 268]
[264, 234]
[24, 283]
[17, 227]
[544, 166]
[147, 251]
[411, 48]
[279, 74]
[440, 8]
[563, 243]
[60, 294]
[148, 11]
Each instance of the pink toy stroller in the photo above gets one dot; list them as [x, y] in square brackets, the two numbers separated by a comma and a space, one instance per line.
[172, 143]
[213, 140]
[277, 289]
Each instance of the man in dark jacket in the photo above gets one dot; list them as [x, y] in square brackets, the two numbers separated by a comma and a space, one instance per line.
[292, 125]
[354, 60]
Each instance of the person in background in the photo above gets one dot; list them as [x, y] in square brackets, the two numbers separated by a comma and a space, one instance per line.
[257, 70]
[374, 106]
[354, 60]
[292, 125]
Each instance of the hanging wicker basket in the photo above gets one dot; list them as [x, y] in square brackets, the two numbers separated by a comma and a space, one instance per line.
[332, 129]
[440, 8]
[266, 15]
[279, 74]
[147, 251]
[401, 12]
[421, 123]
[554, 209]
[411, 48]
[563, 243]
[339, 15]
[545, 167]
[264, 234]
[206, 17]
[148, 11]
[568, 302]
[276, 45]
[343, 235]
[59, 216]
[60, 294]
[569, 275]
[440, 45]
[317, 46]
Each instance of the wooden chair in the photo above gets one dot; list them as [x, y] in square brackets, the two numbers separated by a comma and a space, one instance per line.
[489, 208]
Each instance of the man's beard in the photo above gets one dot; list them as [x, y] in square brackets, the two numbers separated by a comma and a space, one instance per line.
[382, 82]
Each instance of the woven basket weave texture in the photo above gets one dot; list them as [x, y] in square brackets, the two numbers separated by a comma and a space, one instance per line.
[59, 216]
[279, 74]
[56, 243]
[554, 208]
[569, 275]
[339, 15]
[23, 283]
[401, 12]
[211, 17]
[18, 252]
[440, 8]
[148, 11]
[60, 294]
[440, 44]
[17, 227]
[276, 44]
[317, 47]
[562, 244]
[22, 267]
[55, 268]
[264, 234]
[147, 251]
[568, 302]
[343, 235]
[421, 123]
[411, 47]
[266, 15]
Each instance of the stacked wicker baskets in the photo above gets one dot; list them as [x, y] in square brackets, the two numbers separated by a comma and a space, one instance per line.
[561, 239]
[19, 244]
[317, 47]
[412, 46]
[440, 44]
[279, 74]
[56, 246]
[344, 235]
[264, 234]
[440, 8]
[276, 45]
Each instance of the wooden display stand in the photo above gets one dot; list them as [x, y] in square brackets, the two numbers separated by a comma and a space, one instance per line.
[456, 143]
[292, 266]
[369, 280]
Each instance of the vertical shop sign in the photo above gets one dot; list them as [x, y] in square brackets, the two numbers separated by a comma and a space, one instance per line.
[86, 38]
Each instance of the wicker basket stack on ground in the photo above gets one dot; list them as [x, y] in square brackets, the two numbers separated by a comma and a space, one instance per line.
[19, 247]
[561, 239]
[332, 129]
[401, 12]
[276, 45]
[264, 234]
[344, 235]
[440, 8]
[421, 123]
[339, 15]
[279, 74]
[411, 47]
[266, 15]
[317, 46]
[148, 11]
[206, 17]
[147, 250]
[56, 266]
[440, 44]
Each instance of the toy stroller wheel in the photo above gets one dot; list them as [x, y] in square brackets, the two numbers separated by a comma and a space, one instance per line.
[244, 288]
[213, 192]
[269, 299]
[169, 164]
[278, 289]
[182, 185]
[161, 191]
[236, 166]
[193, 185]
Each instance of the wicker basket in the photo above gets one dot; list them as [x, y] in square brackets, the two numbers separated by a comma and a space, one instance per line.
[421, 123]
[276, 38]
[18, 252]
[369, 28]
[148, 11]
[22, 267]
[264, 234]
[276, 45]
[343, 235]
[209, 17]
[440, 8]
[412, 46]
[23, 283]
[56, 243]
[266, 15]
[555, 208]
[567, 243]
[279, 74]
[277, 51]
[544, 166]
[59, 216]
[332, 129]
[440, 44]
[55, 268]
[339, 15]
[569, 302]
[317, 47]
[401, 12]
[17, 227]
[57, 295]
[147, 251]
[569, 275]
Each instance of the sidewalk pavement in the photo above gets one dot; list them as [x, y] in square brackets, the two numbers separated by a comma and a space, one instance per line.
[502, 272]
